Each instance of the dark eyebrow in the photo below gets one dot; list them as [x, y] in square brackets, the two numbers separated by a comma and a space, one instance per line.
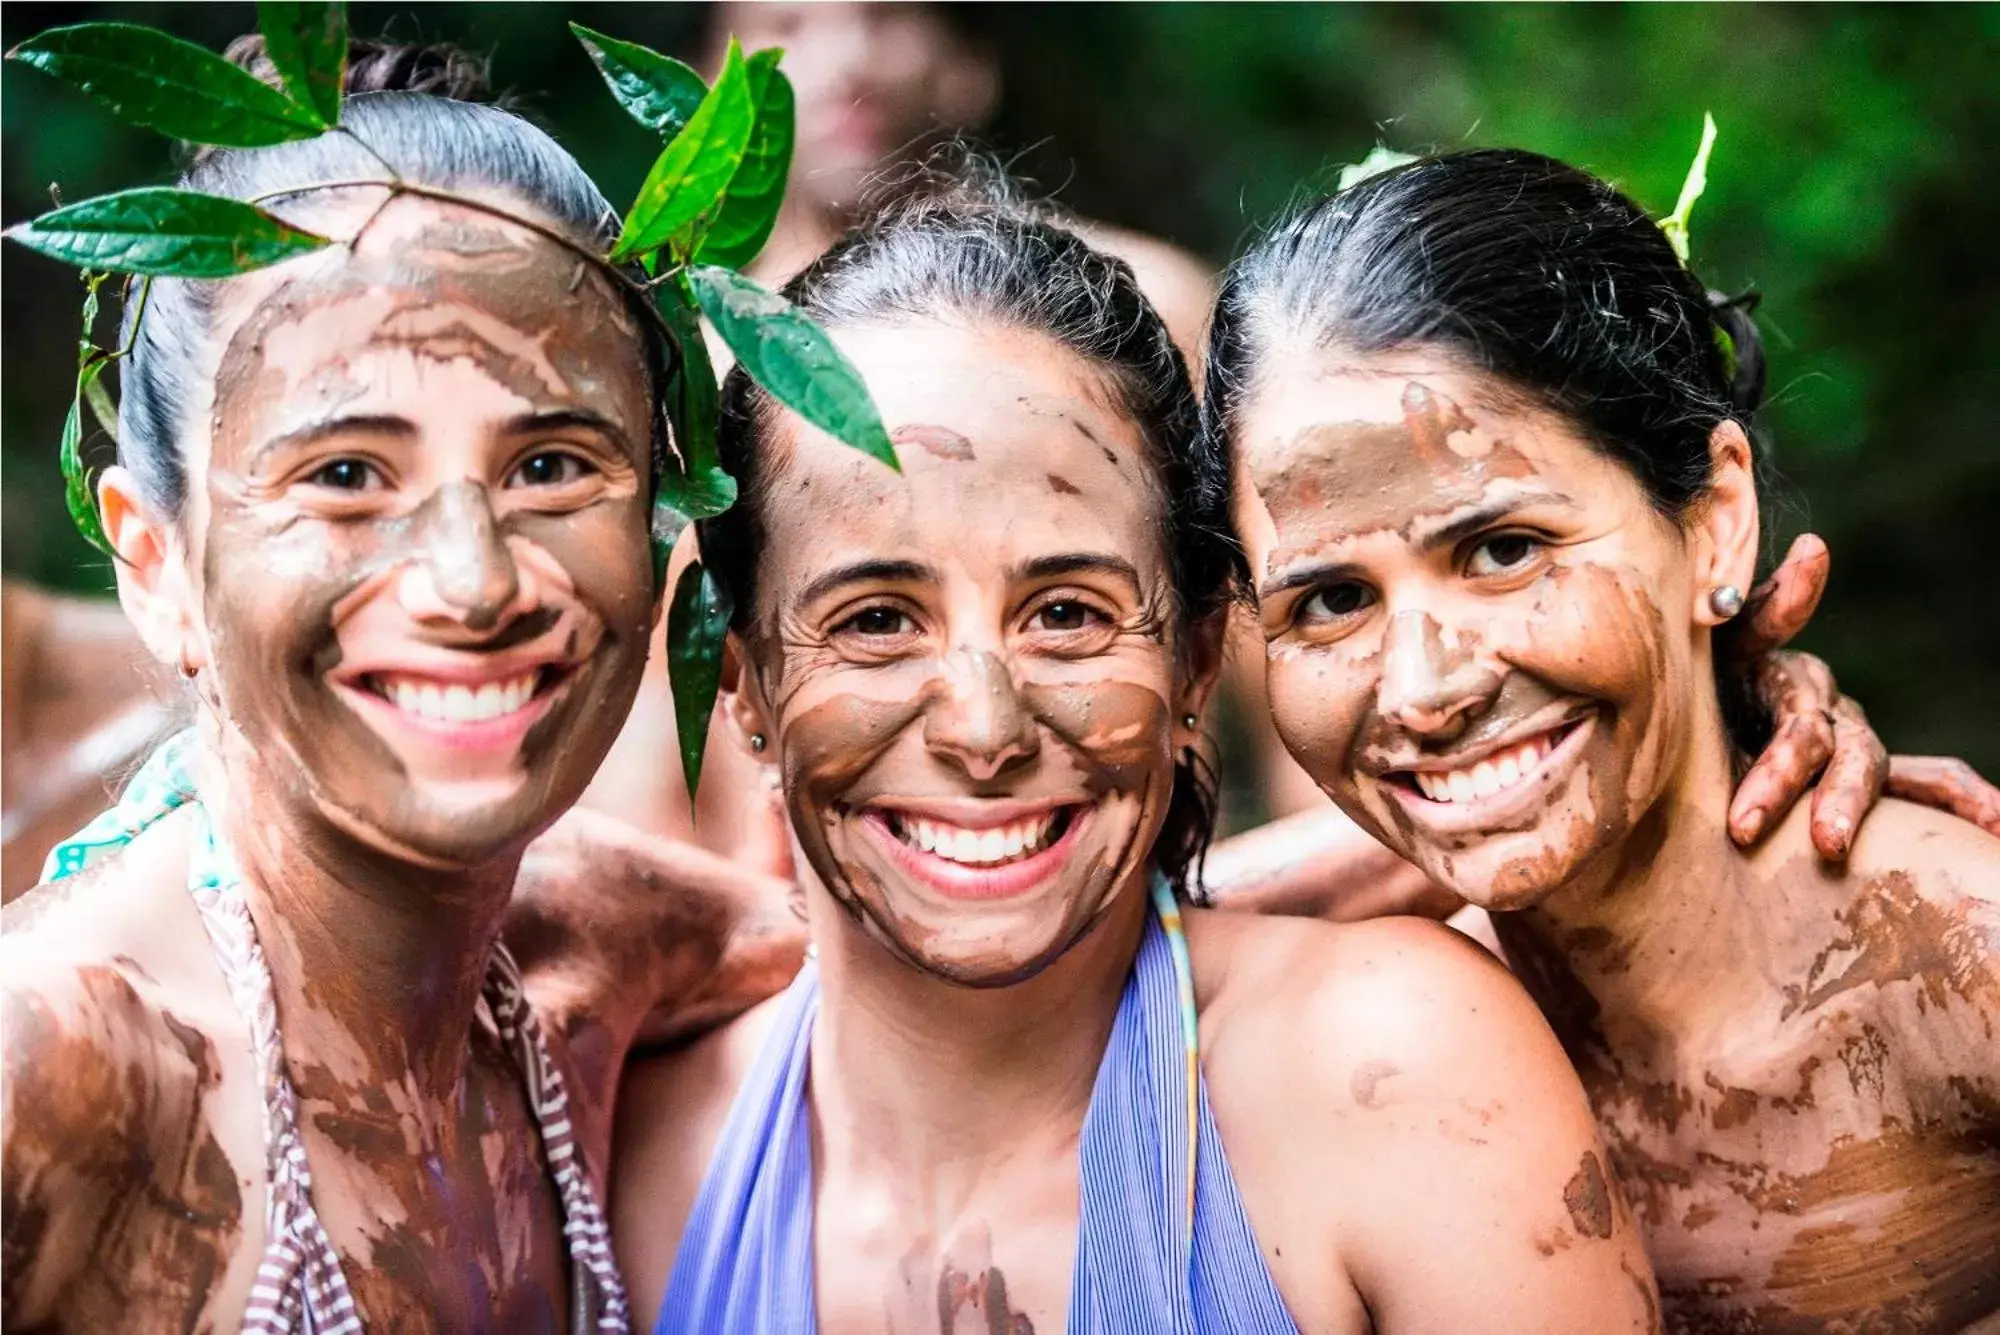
[1460, 527]
[1299, 577]
[866, 572]
[555, 419]
[374, 424]
[1070, 563]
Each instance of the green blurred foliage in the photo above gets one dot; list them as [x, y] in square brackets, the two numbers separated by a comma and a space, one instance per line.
[1854, 185]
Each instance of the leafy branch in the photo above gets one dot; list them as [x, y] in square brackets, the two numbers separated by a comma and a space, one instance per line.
[706, 208]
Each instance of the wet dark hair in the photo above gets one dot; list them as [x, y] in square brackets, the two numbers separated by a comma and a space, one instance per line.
[420, 109]
[1525, 267]
[1518, 265]
[968, 247]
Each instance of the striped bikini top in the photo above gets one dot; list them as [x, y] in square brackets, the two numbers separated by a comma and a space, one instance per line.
[1163, 1244]
[299, 1285]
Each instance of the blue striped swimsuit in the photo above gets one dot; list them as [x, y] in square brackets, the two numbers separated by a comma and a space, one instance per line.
[745, 1264]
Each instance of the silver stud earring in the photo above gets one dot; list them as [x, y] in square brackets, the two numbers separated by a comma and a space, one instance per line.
[1726, 601]
[1189, 721]
[757, 742]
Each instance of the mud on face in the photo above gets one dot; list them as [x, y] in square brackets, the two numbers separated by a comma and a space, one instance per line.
[421, 531]
[969, 672]
[1475, 637]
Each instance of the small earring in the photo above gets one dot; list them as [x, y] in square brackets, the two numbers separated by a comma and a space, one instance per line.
[1189, 721]
[757, 742]
[1726, 601]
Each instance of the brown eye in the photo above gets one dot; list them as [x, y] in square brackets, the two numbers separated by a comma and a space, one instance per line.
[877, 622]
[345, 475]
[550, 468]
[1335, 601]
[1067, 615]
[1501, 553]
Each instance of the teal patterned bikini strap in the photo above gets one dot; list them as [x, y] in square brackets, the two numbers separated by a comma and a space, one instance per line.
[163, 784]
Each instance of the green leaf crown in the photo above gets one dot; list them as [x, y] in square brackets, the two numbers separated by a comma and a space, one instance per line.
[706, 208]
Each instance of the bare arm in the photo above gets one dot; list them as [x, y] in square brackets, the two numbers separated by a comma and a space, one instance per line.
[628, 939]
[1319, 864]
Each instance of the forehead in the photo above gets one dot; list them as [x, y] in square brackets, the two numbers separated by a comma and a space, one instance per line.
[1010, 446]
[435, 282]
[1338, 446]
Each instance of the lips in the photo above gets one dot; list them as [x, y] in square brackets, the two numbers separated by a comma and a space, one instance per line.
[1497, 789]
[457, 702]
[1486, 777]
[961, 859]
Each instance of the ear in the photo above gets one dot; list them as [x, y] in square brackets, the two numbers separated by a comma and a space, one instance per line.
[742, 697]
[1203, 659]
[153, 584]
[1725, 528]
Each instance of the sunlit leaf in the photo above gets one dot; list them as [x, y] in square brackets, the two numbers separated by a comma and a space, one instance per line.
[1676, 225]
[157, 82]
[657, 91]
[90, 363]
[697, 624]
[692, 171]
[307, 44]
[750, 206]
[792, 358]
[102, 407]
[166, 233]
[1381, 158]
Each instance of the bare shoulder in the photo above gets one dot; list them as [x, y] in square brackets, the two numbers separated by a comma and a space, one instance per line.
[108, 1054]
[1941, 856]
[671, 1110]
[1383, 1086]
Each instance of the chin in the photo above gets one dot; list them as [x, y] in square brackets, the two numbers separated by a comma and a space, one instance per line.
[446, 827]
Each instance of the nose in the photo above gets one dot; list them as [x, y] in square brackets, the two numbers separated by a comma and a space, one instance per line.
[461, 569]
[1430, 690]
[978, 721]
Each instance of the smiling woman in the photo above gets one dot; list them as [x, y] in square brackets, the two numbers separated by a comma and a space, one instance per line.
[1495, 460]
[387, 505]
[1021, 1087]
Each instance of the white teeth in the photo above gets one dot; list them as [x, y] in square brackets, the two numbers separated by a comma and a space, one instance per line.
[1492, 775]
[458, 703]
[979, 848]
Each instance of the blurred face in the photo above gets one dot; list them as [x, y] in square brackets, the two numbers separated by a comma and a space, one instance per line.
[420, 527]
[968, 671]
[1477, 626]
[870, 79]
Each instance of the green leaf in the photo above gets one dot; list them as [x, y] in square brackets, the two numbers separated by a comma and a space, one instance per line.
[102, 407]
[90, 363]
[166, 233]
[1381, 158]
[793, 359]
[694, 401]
[697, 625]
[157, 82]
[691, 173]
[657, 91]
[308, 45]
[750, 207]
[1676, 225]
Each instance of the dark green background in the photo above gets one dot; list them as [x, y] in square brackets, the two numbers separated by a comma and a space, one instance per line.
[1856, 184]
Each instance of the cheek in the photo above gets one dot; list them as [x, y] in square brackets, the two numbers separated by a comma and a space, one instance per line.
[1320, 700]
[604, 553]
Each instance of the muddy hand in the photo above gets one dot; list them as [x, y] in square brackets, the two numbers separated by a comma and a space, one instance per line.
[1814, 727]
[1948, 784]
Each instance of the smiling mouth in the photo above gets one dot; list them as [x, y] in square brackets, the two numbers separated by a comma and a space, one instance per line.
[992, 846]
[437, 701]
[1490, 775]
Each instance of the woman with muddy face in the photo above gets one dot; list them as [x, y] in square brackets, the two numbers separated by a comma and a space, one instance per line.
[387, 506]
[1493, 454]
[979, 1107]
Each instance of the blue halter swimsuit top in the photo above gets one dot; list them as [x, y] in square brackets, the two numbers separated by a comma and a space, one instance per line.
[1163, 1244]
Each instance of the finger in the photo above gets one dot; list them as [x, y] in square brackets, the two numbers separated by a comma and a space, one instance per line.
[1852, 783]
[1781, 774]
[1948, 784]
[1780, 607]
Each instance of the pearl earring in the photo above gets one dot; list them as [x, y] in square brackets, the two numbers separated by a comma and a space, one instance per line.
[1726, 601]
[1189, 721]
[757, 742]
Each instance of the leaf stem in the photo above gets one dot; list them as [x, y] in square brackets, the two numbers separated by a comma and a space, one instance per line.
[369, 149]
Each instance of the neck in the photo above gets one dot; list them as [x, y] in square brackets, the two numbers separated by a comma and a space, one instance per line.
[918, 1080]
[1669, 940]
[377, 963]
